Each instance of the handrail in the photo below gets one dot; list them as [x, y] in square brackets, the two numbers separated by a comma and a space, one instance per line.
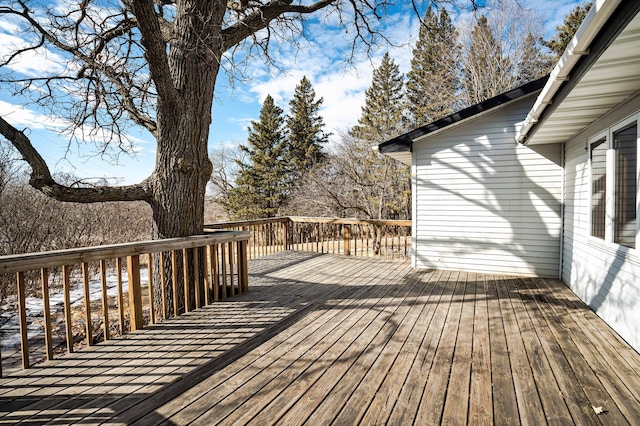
[183, 274]
[50, 259]
[248, 222]
[347, 221]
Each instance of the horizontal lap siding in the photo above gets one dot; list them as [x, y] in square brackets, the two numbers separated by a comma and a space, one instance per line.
[605, 276]
[485, 204]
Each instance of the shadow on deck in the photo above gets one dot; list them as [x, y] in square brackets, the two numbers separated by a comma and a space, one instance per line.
[325, 339]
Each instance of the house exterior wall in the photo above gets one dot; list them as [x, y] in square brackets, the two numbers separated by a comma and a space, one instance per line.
[604, 275]
[484, 203]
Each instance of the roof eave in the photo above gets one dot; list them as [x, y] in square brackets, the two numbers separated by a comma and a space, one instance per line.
[604, 22]
[404, 142]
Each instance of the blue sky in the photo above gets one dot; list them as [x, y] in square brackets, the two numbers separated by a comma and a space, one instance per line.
[321, 59]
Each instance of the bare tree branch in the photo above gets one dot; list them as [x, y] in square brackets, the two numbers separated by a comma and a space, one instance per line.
[155, 49]
[42, 179]
[91, 61]
[261, 18]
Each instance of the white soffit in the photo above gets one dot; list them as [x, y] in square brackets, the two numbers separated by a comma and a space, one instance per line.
[610, 81]
[401, 156]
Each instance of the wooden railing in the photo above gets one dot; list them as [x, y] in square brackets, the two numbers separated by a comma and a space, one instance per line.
[216, 267]
[355, 237]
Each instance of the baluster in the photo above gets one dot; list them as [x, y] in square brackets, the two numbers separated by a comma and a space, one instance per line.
[47, 313]
[174, 283]
[66, 286]
[196, 276]
[231, 281]
[185, 278]
[120, 295]
[208, 275]
[22, 314]
[152, 307]
[105, 298]
[223, 254]
[87, 303]
[163, 286]
[216, 274]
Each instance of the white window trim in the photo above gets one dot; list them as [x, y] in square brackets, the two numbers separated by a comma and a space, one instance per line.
[602, 135]
[610, 184]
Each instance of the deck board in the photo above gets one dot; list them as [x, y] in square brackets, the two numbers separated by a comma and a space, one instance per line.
[328, 339]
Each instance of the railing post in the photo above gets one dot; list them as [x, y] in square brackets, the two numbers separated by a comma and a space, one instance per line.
[135, 292]
[243, 276]
[346, 234]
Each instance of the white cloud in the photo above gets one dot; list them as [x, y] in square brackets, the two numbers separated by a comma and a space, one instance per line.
[17, 34]
[22, 117]
[32, 63]
[341, 84]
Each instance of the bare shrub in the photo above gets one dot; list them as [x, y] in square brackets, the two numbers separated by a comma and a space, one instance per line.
[32, 222]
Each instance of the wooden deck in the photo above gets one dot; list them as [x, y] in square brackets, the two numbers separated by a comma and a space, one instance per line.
[323, 339]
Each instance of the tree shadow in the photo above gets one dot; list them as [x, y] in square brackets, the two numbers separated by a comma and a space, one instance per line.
[128, 379]
[480, 192]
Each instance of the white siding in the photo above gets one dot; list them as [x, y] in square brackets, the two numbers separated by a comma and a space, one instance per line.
[605, 276]
[484, 203]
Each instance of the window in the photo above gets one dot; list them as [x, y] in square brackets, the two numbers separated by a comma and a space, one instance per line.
[598, 187]
[626, 154]
[613, 159]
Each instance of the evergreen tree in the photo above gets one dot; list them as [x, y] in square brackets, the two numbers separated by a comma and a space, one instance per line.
[362, 181]
[305, 125]
[533, 63]
[261, 187]
[558, 44]
[433, 84]
[383, 110]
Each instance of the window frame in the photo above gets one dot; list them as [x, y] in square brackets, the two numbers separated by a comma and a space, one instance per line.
[593, 140]
[610, 185]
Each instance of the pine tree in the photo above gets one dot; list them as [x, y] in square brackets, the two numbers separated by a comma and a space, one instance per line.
[558, 44]
[261, 187]
[533, 63]
[383, 110]
[433, 84]
[368, 183]
[305, 126]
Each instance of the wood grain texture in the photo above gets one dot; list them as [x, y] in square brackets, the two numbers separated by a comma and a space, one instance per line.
[326, 339]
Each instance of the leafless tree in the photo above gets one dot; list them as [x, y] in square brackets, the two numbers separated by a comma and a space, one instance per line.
[154, 65]
[501, 50]
[355, 181]
[226, 162]
[32, 222]
[9, 166]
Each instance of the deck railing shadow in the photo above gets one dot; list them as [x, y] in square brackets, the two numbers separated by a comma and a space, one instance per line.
[177, 276]
[139, 373]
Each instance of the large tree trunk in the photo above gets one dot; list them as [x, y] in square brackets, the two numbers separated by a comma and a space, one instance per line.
[182, 163]
[183, 168]
[179, 181]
